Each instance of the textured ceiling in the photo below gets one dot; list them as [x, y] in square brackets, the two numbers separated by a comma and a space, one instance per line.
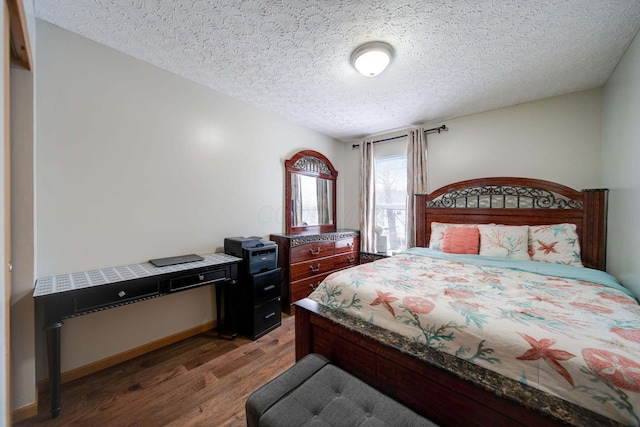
[452, 57]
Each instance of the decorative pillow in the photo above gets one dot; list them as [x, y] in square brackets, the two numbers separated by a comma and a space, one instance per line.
[504, 241]
[555, 243]
[437, 233]
[461, 240]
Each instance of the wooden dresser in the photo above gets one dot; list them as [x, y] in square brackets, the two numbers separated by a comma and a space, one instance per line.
[306, 259]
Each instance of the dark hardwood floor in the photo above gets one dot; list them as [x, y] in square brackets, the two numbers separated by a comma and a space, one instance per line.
[200, 381]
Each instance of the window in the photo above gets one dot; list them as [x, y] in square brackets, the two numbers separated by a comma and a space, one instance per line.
[391, 200]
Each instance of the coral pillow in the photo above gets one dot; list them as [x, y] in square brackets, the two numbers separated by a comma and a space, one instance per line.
[437, 233]
[504, 241]
[461, 240]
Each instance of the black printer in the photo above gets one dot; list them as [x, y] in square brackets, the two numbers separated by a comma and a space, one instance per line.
[259, 255]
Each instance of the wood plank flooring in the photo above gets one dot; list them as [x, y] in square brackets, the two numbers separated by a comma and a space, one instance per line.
[204, 380]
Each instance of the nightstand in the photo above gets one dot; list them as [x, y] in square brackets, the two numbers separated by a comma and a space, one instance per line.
[366, 257]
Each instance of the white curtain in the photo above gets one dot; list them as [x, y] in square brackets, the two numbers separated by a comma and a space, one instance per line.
[324, 206]
[296, 201]
[416, 178]
[367, 197]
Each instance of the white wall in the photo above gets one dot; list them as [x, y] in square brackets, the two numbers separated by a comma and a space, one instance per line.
[5, 288]
[134, 163]
[349, 176]
[23, 371]
[22, 240]
[620, 167]
[557, 139]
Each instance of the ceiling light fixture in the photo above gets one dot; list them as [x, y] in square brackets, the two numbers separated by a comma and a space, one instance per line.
[372, 58]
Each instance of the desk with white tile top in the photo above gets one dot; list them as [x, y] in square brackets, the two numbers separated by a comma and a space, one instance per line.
[69, 295]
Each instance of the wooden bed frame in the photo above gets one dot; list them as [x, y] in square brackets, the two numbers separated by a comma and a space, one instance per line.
[448, 390]
[529, 201]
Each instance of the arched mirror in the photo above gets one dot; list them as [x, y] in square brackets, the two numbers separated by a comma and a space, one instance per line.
[310, 193]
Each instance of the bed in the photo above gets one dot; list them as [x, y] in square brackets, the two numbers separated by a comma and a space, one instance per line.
[490, 340]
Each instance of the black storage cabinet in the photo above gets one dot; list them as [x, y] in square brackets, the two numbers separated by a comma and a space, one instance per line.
[258, 305]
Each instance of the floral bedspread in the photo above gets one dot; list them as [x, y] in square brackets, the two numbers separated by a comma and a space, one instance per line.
[573, 338]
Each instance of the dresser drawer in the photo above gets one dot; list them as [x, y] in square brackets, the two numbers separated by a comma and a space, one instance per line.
[314, 267]
[346, 260]
[302, 288]
[347, 245]
[312, 251]
[108, 295]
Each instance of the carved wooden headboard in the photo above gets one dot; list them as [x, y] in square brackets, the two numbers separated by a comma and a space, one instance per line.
[518, 201]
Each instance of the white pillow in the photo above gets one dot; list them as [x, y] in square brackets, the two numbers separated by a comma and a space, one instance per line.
[504, 241]
[437, 233]
[555, 243]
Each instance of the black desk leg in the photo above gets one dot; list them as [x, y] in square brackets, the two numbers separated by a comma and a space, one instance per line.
[230, 310]
[53, 357]
[224, 308]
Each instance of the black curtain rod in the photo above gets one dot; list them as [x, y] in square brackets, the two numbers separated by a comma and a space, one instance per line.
[432, 130]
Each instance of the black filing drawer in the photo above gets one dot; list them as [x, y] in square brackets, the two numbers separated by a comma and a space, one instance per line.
[199, 279]
[103, 296]
[266, 317]
[266, 286]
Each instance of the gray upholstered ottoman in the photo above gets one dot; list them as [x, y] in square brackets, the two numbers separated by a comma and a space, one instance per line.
[313, 392]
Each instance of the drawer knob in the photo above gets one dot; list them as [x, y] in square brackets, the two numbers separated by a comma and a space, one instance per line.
[121, 294]
[312, 252]
[352, 259]
[315, 270]
[200, 277]
[313, 288]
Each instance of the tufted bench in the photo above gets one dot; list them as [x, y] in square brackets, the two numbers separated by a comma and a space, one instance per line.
[315, 392]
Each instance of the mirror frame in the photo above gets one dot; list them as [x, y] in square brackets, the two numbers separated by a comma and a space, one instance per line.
[313, 164]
